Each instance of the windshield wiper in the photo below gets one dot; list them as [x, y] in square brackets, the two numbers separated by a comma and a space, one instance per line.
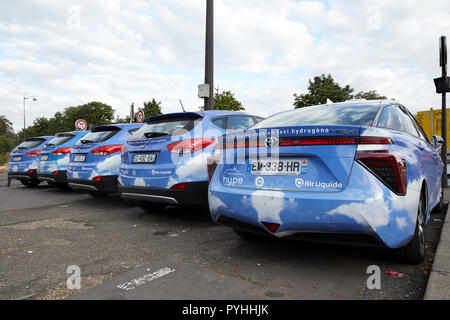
[21, 148]
[155, 134]
[49, 144]
[84, 141]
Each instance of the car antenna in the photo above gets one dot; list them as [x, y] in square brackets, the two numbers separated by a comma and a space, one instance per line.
[182, 105]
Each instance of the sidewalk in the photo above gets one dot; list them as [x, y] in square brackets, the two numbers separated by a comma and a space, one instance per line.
[438, 287]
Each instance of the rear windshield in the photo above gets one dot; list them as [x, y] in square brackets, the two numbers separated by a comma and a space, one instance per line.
[30, 143]
[60, 139]
[166, 127]
[358, 115]
[100, 134]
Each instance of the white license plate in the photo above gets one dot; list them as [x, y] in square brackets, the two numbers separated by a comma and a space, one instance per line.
[79, 158]
[44, 157]
[16, 159]
[144, 158]
[278, 167]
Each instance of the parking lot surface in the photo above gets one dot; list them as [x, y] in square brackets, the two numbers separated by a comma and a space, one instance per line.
[124, 252]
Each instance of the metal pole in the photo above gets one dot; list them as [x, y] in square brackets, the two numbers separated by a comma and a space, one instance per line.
[24, 134]
[444, 116]
[209, 54]
[431, 120]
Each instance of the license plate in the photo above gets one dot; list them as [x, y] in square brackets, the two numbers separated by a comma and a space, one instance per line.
[144, 158]
[16, 159]
[79, 158]
[44, 157]
[278, 167]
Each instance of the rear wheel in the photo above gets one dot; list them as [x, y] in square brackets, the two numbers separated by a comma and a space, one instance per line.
[414, 251]
[151, 206]
[30, 183]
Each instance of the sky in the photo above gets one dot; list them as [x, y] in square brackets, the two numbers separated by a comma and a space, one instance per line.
[67, 53]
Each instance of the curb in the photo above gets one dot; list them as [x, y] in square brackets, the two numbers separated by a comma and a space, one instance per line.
[438, 286]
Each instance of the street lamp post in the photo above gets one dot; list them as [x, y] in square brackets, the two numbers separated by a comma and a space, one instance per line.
[209, 54]
[24, 99]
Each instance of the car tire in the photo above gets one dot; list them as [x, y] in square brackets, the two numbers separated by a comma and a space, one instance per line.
[414, 251]
[151, 206]
[30, 183]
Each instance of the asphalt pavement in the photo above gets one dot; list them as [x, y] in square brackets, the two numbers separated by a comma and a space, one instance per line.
[124, 252]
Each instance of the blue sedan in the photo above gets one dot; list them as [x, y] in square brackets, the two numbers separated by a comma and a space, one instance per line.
[359, 172]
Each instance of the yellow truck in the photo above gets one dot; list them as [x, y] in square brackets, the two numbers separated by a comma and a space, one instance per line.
[431, 122]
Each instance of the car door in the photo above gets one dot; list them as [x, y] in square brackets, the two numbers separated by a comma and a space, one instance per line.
[427, 154]
[438, 164]
[394, 118]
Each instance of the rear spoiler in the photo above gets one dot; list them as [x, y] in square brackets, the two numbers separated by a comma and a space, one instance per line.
[173, 116]
[105, 128]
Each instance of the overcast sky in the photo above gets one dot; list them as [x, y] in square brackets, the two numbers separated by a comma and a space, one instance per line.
[68, 53]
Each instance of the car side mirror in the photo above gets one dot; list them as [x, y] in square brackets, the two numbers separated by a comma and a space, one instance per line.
[437, 141]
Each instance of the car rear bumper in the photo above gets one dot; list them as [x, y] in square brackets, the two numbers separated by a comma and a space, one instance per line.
[195, 193]
[60, 177]
[365, 207]
[108, 184]
[23, 175]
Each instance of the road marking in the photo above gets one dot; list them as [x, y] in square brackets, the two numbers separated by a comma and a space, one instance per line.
[133, 284]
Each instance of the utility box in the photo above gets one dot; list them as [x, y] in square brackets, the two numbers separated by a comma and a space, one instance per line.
[203, 90]
[433, 128]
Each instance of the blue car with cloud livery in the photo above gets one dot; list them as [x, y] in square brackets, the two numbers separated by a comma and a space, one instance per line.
[24, 160]
[360, 172]
[55, 156]
[165, 161]
[95, 158]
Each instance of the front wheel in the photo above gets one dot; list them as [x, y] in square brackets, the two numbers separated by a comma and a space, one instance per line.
[414, 251]
[30, 183]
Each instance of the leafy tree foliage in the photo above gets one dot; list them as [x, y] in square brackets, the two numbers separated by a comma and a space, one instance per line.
[324, 87]
[152, 108]
[227, 101]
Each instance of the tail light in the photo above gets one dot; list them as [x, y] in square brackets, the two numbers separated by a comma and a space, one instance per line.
[272, 227]
[55, 172]
[31, 171]
[189, 146]
[302, 141]
[34, 153]
[98, 178]
[389, 167]
[61, 151]
[106, 150]
[179, 186]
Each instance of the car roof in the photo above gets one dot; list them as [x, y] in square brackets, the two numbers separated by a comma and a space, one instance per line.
[119, 125]
[359, 102]
[202, 113]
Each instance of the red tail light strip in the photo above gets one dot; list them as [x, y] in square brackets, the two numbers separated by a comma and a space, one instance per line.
[316, 141]
[34, 153]
[61, 151]
[189, 146]
[106, 150]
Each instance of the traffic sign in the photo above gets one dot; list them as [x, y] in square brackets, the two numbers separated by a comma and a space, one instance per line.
[140, 116]
[81, 124]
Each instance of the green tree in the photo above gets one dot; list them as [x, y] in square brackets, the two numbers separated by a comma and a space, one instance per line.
[370, 95]
[152, 108]
[6, 128]
[320, 89]
[227, 101]
[95, 113]
[6, 144]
